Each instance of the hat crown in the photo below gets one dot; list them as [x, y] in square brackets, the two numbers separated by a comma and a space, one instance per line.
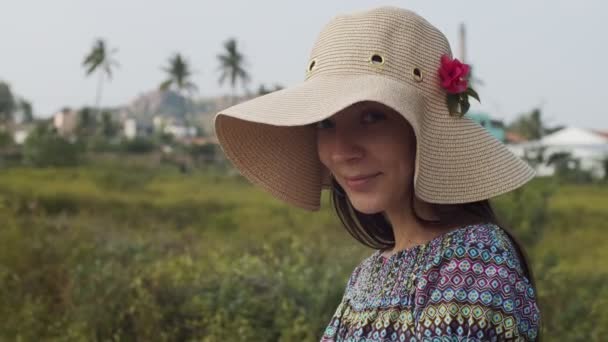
[387, 41]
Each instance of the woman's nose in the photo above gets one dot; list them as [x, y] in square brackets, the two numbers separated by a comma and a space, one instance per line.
[345, 148]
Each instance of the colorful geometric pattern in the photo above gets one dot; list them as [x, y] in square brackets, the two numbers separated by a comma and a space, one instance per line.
[465, 285]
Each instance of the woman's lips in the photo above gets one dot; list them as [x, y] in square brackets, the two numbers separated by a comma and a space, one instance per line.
[360, 183]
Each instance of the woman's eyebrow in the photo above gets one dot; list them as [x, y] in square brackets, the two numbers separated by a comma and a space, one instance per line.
[370, 106]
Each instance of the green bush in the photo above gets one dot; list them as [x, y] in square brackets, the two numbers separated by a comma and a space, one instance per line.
[526, 210]
[139, 145]
[6, 139]
[123, 252]
[44, 148]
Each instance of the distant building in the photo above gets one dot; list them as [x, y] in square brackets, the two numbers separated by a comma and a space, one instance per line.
[65, 121]
[133, 128]
[514, 138]
[495, 127]
[211, 106]
[130, 128]
[180, 131]
[21, 132]
[168, 111]
[587, 147]
[20, 135]
[159, 123]
[602, 133]
[156, 103]
[204, 141]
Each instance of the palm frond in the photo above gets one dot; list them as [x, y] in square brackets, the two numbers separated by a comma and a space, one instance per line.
[91, 68]
[165, 85]
[99, 57]
[222, 78]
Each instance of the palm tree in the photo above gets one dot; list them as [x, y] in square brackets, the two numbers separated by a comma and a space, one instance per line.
[7, 103]
[262, 90]
[529, 125]
[232, 65]
[100, 58]
[179, 74]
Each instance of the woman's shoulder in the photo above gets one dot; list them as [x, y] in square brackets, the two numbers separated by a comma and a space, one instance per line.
[481, 234]
[486, 243]
[478, 273]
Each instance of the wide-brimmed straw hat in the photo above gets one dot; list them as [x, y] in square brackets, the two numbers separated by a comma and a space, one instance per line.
[386, 55]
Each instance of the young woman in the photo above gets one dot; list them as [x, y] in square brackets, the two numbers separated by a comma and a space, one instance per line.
[379, 121]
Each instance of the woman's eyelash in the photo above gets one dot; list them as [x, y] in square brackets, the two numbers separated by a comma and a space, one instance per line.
[374, 115]
[324, 124]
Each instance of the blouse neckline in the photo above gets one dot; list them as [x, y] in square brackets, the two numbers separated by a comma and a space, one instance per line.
[414, 249]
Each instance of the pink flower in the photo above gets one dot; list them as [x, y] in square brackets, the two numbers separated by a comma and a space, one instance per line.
[453, 75]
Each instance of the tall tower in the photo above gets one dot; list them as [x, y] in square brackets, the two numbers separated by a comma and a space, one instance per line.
[463, 46]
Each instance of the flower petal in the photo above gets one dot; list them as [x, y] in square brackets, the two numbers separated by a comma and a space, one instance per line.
[445, 60]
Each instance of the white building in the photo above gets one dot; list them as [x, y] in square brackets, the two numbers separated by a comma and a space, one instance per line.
[130, 128]
[20, 135]
[180, 131]
[133, 128]
[159, 123]
[65, 121]
[590, 148]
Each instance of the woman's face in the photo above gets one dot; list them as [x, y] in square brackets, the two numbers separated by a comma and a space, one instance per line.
[370, 140]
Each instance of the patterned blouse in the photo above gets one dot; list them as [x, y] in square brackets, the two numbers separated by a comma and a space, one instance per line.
[465, 285]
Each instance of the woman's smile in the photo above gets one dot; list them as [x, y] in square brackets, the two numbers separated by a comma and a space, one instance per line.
[361, 183]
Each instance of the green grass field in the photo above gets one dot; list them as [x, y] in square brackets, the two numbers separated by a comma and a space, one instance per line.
[131, 253]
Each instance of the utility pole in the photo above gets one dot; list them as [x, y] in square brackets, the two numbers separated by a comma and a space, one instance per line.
[463, 46]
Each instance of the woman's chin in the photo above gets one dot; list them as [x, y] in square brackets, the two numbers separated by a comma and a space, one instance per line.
[366, 205]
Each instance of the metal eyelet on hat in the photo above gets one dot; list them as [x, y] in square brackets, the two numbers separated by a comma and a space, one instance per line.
[376, 59]
[311, 65]
[417, 75]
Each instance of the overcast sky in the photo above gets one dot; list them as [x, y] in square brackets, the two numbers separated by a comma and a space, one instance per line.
[550, 54]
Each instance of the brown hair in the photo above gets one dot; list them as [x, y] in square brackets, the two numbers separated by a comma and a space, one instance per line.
[375, 231]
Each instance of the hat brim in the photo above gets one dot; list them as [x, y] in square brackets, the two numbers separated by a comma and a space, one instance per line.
[272, 141]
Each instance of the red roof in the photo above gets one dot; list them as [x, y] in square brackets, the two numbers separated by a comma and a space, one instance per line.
[602, 133]
[513, 137]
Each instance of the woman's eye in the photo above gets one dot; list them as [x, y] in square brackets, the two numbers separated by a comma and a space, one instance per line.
[370, 117]
[324, 124]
